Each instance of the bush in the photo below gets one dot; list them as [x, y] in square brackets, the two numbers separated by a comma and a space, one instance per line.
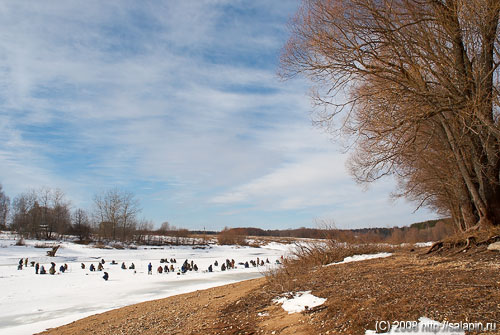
[306, 257]
[231, 237]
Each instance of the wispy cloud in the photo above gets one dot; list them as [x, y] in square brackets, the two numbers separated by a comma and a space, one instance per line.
[177, 101]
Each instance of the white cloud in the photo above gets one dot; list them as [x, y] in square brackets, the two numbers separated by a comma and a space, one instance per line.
[179, 95]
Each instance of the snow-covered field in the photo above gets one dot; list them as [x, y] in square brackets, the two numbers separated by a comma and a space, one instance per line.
[31, 303]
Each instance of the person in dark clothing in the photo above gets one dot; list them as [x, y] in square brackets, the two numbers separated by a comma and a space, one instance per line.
[132, 266]
[62, 269]
[52, 269]
[106, 276]
[124, 266]
[92, 267]
[150, 269]
[42, 270]
[83, 266]
[223, 267]
[165, 269]
[216, 263]
[210, 269]
[195, 267]
[247, 265]
[37, 267]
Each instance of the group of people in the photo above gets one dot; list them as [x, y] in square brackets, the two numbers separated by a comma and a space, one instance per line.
[230, 264]
[186, 266]
[40, 269]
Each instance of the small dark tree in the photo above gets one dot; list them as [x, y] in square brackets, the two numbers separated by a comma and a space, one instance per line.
[4, 208]
[80, 224]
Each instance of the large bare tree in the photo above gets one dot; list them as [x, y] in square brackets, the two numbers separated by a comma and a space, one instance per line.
[415, 83]
[116, 211]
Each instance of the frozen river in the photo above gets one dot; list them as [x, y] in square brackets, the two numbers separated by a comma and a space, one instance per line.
[31, 303]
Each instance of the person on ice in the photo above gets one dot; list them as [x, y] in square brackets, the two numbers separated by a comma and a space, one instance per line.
[83, 266]
[106, 276]
[124, 266]
[132, 266]
[42, 270]
[62, 269]
[99, 267]
[52, 269]
[150, 269]
[159, 270]
[92, 267]
[37, 267]
[210, 268]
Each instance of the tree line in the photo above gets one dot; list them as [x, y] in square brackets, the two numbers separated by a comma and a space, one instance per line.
[46, 213]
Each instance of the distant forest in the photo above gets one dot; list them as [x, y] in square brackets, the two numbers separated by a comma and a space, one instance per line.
[431, 230]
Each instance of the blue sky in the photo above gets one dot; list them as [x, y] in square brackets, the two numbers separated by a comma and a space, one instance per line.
[179, 103]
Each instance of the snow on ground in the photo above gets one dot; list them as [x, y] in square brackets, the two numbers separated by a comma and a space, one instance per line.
[425, 326]
[299, 302]
[31, 303]
[423, 244]
[357, 258]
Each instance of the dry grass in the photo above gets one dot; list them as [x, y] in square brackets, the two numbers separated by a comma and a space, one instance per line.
[20, 242]
[307, 257]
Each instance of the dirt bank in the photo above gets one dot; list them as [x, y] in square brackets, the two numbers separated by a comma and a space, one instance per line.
[405, 286]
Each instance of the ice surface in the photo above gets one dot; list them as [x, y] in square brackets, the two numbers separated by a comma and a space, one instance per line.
[31, 303]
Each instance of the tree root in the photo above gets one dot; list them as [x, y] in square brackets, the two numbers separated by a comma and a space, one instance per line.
[435, 247]
[467, 245]
[473, 239]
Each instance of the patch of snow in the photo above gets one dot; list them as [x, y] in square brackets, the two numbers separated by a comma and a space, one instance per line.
[425, 326]
[423, 244]
[357, 258]
[299, 302]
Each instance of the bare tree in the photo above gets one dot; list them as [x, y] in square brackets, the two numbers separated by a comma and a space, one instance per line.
[420, 80]
[81, 224]
[41, 213]
[4, 208]
[116, 210]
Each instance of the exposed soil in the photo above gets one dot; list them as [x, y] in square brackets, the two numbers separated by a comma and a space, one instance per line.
[405, 286]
